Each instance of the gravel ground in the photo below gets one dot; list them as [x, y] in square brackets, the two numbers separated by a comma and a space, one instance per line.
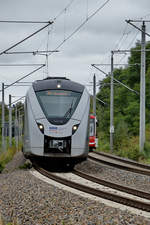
[141, 182]
[34, 202]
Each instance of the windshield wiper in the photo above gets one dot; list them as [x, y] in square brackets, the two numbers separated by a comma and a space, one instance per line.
[69, 110]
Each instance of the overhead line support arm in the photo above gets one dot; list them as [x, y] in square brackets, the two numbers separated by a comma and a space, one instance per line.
[31, 35]
[129, 21]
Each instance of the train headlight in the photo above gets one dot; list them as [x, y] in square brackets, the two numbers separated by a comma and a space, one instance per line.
[58, 84]
[74, 128]
[41, 127]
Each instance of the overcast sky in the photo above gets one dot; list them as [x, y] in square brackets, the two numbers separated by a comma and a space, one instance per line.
[104, 32]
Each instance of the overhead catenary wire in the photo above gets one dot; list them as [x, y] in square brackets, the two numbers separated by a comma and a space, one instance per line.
[36, 64]
[116, 80]
[81, 25]
[31, 52]
[129, 21]
[130, 44]
[121, 38]
[31, 35]
[24, 76]
[63, 10]
[118, 43]
[17, 100]
[55, 18]
[17, 85]
[49, 22]
[21, 21]
[128, 47]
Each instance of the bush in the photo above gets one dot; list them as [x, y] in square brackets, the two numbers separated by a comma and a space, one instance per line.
[145, 154]
[103, 142]
[6, 156]
[147, 149]
[132, 152]
[121, 137]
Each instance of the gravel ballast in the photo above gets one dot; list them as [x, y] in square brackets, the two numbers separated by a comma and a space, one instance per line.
[112, 174]
[34, 202]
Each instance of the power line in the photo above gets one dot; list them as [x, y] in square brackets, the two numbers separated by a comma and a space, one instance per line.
[21, 21]
[27, 82]
[78, 28]
[129, 21]
[14, 85]
[25, 76]
[137, 20]
[116, 80]
[21, 64]
[82, 24]
[63, 10]
[121, 38]
[133, 40]
[18, 100]
[115, 64]
[31, 52]
[31, 35]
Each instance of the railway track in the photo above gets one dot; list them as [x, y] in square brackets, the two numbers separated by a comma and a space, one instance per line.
[92, 185]
[120, 163]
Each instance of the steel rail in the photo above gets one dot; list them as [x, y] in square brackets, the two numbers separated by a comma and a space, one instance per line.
[113, 185]
[127, 161]
[102, 194]
[126, 167]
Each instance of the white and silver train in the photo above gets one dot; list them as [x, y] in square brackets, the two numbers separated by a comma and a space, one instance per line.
[56, 124]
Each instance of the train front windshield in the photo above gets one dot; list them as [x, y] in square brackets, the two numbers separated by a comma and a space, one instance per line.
[58, 104]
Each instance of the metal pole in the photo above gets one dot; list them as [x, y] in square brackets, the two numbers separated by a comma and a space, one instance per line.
[111, 105]
[94, 95]
[19, 126]
[94, 101]
[3, 119]
[21, 122]
[10, 122]
[16, 128]
[142, 91]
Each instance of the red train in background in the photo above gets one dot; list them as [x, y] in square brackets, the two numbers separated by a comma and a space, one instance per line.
[93, 141]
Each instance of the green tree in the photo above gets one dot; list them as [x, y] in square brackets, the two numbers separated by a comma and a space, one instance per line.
[126, 103]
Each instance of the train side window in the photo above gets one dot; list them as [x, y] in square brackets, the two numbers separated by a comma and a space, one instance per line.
[92, 127]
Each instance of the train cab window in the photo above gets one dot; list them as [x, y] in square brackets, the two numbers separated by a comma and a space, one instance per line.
[58, 105]
[92, 127]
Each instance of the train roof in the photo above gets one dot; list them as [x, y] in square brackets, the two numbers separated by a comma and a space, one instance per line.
[51, 83]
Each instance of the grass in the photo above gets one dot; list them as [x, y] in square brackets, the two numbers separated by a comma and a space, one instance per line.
[14, 221]
[26, 165]
[128, 147]
[7, 155]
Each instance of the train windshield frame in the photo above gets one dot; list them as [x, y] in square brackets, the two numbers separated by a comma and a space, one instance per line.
[58, 105]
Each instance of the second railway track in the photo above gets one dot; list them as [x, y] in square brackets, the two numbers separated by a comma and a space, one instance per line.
[132, 201]
[120, 163]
